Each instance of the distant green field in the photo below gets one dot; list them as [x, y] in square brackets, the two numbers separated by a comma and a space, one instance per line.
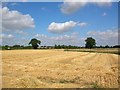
[97, 50]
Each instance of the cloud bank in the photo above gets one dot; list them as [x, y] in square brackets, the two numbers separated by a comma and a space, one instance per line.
[71, 39]
[108, 37]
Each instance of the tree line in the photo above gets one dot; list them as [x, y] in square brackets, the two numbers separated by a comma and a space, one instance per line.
[90, 43]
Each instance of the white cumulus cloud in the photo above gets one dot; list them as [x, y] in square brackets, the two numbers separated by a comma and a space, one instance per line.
[69, 6]
[64, 27]
[14, 20]
[61, 27]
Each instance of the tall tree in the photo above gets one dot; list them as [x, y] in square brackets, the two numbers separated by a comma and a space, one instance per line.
[34, 42]
[55, 46]
[107, 46]
[90, 42]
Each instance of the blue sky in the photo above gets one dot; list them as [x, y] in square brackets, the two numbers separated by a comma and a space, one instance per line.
[59, 23]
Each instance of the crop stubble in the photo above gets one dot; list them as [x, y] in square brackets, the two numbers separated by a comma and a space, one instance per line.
[58, 69]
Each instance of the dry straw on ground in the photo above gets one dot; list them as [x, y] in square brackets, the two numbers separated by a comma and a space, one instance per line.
[58, 69]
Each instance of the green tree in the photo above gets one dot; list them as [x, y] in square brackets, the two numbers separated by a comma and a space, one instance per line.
[90, 42]
[62, 46]
[6, 47]
[69, 46]
[107, 46]
[55, 46]
[59, 46]
[34, 42]
[101, 46]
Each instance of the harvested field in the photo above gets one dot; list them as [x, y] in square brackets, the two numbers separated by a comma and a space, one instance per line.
[58, 69]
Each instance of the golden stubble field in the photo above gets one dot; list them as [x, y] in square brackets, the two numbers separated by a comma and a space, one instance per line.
[58, 69]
